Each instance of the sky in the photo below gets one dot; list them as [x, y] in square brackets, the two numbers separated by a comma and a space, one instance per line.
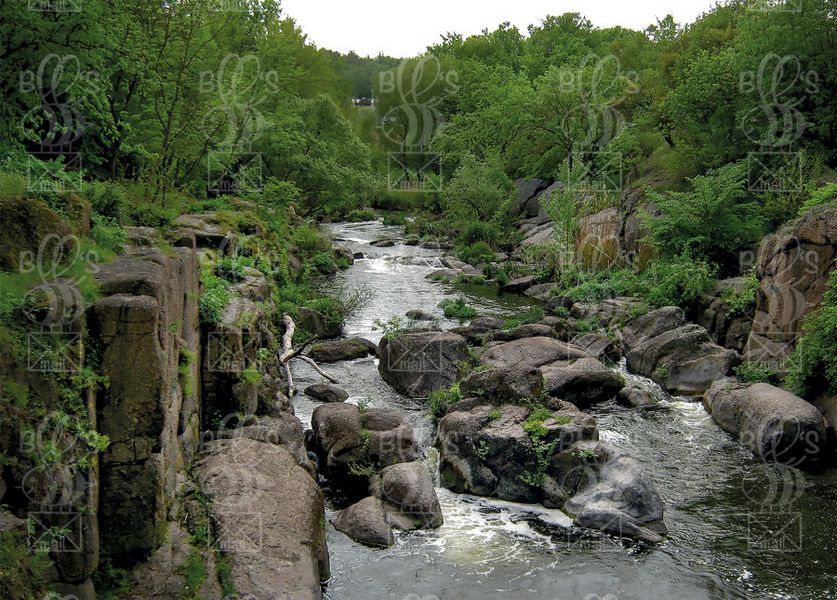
[406, 28]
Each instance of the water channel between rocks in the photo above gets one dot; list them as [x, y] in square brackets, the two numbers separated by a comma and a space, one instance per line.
[737, 528]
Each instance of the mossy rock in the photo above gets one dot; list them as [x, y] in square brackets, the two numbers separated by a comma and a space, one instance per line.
[26, 224]
[78, 211]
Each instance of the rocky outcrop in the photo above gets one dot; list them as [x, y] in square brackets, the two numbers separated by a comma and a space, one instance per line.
[351, 443]
[340, 350]
[479, 330]
[505, 384]
[366, 522]
[210, 230]
[409, 497]
[317, 324]
[601, 346]
[144, 325]
[527, 191]
[599, 243]
[770, 421]
[793, 266]
[523, 331]
[677, 355]
[556, 461]
[268, 516]
[726, 328]
[30, 226]
[416, 364]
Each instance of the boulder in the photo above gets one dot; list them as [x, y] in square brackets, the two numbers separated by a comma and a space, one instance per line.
[326, 393]
[211, 231]
[520, 284]
[617, 311]
[366, 523]
[341, 252]
[600, 346]
[383, 243]
[541, 234]
[582, 381]
[409, 497]
[559, 304]
[527, 189]
[530, 352]
[770, 421]
[416, 364]
[339, 350]
[726, 329]
[269, 515]
[348, 440]
[447, 275]
[420, 315]
[502, 385]
[615, 496]
[479, 330]
[542, 291]
[636, 396]
[486, 450]
[793, 266]
[683, 359]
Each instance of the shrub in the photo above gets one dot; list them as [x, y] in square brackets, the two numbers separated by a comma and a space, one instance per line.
[476, 254]
[755, 372]
[479, 231]
[714, 220]
[812, 368]
[457, 309]
[108, 200]
[740, 302]
[440, 401]
[359, 215]
[215, 295]
[309, 240]
[232, 268]
[534, 314]
[678, 281]
[324, 263]
[107, 233]
[151, 215]
[824, 195]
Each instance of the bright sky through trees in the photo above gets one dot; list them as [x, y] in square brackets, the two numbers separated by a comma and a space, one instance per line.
[407, 28]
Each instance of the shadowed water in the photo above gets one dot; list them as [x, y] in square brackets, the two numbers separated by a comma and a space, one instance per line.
[738, 528]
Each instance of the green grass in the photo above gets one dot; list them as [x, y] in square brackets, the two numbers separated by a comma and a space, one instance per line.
[457, 309]
[440, 401]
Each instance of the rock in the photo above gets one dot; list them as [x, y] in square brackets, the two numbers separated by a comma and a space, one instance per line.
[420, 315]
[340, 350]
[317, 324]
[346, 439]
[725, 329]
[269, 517]
[524, 331]
[617, 311]
[479, 330]
[283, 429]
[142, 236]
[542, 292]
[366, 523]
[416, 364]
[559, 304]
[359, 255]
[527, 189]
[636, 396]
[253, 286]
[770, 421]
[599, 239]
[793, 266]
[619, 498]
[519, 285]
[486, 451]
[600, 346]
[27, 225]
[581, 381]
[444, 275]
[684, 360]
[539, 235]
[383, 243]
[326, 393]
[534, 207]
[502, 385]
[530, 352]
[211, 231]
[409, 497]
[341, 252]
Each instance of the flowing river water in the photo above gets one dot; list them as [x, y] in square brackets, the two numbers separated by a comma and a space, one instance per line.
[737, 528]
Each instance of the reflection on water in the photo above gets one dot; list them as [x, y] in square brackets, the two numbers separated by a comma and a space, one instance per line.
[720, 503]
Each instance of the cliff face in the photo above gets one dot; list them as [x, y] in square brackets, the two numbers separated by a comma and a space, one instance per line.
[170, 390]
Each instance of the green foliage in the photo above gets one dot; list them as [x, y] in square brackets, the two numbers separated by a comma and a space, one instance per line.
[661, 372]
[741, 301]
[713, 221]
[232, 268]
[476, 253]
[495, 414]
[754, 372]
[812, 368]
[324, 263]
[826, 194]
[194, 572]
[251, 376]
[215, 295]
[441, 400]
[480, 191]
[391, 328]
[457, 309]
[359, 215]
[533, 314]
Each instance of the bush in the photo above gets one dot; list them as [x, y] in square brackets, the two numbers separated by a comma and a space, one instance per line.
[678, 281]
[534, 315]
[309, 240]
[108, 200]
[324, 263]
[215, 295]
[713, 221]
[824, 195]
[755, 372]
[107, 233]
[440, 401]
[812, 368]
[476, 254]
[232, 268]
[741, 302]
[360, 215]
[457, 309]
[479, 231]
[151, 215]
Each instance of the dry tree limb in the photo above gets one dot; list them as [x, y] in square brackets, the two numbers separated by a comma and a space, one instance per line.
[289, 353]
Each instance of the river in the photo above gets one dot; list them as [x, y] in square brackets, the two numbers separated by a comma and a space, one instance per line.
[737, 528]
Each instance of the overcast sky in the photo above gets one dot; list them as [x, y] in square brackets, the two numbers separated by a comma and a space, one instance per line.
[406, 27]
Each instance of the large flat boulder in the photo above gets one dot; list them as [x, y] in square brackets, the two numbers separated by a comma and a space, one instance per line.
[582, 381]
[269, 515]
[530, 352]
[416, 364]
[504, 384]
[339, 350]
[770, 421]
